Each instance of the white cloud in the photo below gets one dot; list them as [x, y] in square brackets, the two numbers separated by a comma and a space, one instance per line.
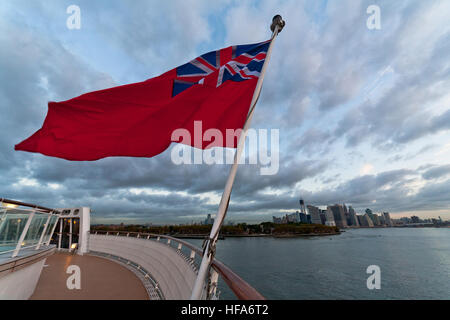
[366, 169]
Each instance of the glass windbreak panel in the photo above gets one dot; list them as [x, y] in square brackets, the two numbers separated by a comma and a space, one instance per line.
[35, 230]
[51, 224]
[11, 227]
[55, 236]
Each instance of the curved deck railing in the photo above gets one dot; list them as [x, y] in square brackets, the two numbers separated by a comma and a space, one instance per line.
[241, 289]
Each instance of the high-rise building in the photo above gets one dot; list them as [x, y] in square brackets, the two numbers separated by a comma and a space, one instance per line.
[352, 217]
[373, 217]
[382, 220]
[329, 217]
[298, 215]
[303, 217]
[346, 213]
[388, 219]
[209, 220]
[323, 216]
[362, 220]
[293, 217]
[276, 220]
[302, 206]
[339, 215]
[314, 212]
[369, 220]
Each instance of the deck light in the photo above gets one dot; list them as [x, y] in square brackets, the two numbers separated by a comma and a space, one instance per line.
[10, 205]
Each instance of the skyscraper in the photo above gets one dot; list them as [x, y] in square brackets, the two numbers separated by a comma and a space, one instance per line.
[346, 213]
[367, 221]
[329, 217]
[293, 217]
[314, 212]
[373, 217]
[303, 216]
[388, 219]
[209, 220]
[362, 220]
[352, 217]
[339, 215]
[323, 216]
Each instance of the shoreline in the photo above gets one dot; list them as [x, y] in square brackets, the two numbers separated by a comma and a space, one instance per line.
[262, 235]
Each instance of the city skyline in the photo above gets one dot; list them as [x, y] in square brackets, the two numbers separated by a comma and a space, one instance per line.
[363, 114]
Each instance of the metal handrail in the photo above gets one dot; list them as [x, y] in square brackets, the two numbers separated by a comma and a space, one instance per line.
[29, 205]
[239, 286]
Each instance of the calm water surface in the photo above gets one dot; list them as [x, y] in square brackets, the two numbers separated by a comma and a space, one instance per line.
[414, 263]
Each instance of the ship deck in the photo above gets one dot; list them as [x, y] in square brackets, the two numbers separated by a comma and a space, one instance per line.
[101, 279]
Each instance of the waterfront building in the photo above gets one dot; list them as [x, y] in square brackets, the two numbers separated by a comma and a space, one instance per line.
[369, 220]
[374, 218]
[365, 221]
[314, 212]
[339, 215]
[361, 220]
[329, 217]
[292, 218]
[208, 220]
[352, 217]
[323, 216]
[276, 220]
[346, 213]
[388, 219]
[303, 216]
[382, 220]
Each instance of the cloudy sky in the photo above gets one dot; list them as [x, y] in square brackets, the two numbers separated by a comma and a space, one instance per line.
[364, 115]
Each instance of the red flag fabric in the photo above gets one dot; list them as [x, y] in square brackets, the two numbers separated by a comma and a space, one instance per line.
[138, 119]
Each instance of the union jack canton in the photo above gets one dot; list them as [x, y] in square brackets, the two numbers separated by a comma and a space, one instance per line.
[235, 63]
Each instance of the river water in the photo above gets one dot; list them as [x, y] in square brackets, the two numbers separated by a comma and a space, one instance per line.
[414, 264]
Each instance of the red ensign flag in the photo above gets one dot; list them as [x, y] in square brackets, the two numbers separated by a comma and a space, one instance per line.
[138, 119]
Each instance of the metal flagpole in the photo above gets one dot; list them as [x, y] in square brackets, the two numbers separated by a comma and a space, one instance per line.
[210, 244]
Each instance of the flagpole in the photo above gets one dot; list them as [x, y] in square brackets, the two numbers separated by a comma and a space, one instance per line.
[210, 244]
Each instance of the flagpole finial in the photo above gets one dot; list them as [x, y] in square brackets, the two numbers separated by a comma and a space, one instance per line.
[277, 21]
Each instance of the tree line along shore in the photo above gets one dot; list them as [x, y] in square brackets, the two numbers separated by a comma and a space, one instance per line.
[238, 230]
